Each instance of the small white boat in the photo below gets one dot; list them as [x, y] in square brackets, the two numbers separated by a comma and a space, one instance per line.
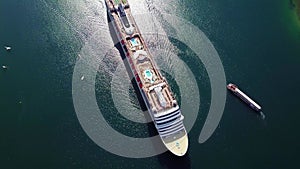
[243, 96]
[4, 67]
[82, 78]
[7, 48]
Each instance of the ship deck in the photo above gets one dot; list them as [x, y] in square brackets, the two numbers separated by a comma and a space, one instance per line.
[141, 62]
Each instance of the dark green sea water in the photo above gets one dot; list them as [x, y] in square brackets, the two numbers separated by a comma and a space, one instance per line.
[258, 42]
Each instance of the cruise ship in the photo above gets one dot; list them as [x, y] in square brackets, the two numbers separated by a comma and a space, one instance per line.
[155, 90]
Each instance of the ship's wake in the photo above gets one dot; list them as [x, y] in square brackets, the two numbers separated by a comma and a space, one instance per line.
[88, 21]
[262, 115]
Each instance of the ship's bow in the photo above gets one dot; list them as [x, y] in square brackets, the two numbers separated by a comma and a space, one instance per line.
[178, 146]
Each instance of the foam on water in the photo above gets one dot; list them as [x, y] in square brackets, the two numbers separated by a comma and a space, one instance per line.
[262, 115]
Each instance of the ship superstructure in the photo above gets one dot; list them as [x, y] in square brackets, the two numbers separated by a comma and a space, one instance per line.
[157, 95]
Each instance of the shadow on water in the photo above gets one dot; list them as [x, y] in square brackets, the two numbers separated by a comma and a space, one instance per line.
[251, 110]
[170, 161]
